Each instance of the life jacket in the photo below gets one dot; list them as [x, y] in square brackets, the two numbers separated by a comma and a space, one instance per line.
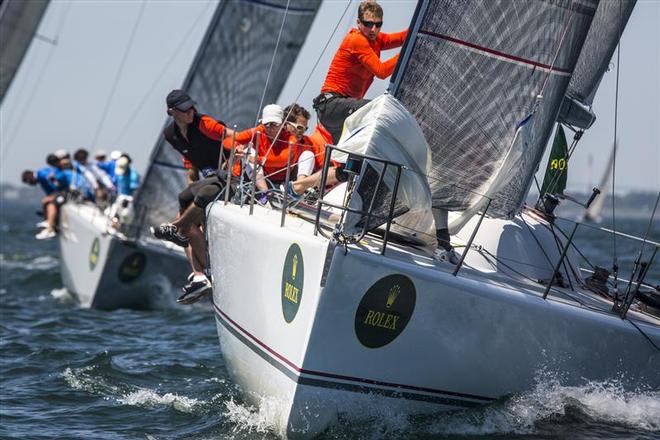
[202, 148]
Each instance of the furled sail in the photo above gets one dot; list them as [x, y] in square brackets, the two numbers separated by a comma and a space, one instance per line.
[485, 81]
[227, 80]
[606, 29]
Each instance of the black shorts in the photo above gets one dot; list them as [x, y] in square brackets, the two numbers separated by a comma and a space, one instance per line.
[333, 111]
[201, 193]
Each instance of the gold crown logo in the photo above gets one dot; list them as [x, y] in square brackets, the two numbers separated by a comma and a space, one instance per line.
[295, 267]
[391, 297]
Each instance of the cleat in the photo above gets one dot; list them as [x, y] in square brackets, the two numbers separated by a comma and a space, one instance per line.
[168, 232]
[443, 255]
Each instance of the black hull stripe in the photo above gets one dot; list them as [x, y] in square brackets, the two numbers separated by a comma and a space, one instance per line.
[364, 385]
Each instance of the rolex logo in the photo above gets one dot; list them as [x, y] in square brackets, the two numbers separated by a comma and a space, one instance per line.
[391, 297]
[294, 267]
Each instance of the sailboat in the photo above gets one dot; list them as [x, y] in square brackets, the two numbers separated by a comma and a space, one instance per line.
[593, 212]
[324, 310]
[110, 266]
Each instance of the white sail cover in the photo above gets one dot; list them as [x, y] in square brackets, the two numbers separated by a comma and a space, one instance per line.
[485, 81]
[227, 80]
[384, 129]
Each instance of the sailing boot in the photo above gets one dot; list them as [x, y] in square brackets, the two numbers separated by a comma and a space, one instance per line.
[445, 251]
[169, 232]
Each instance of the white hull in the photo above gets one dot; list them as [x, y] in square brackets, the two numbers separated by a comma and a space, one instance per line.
[106, 271]
[469, 339]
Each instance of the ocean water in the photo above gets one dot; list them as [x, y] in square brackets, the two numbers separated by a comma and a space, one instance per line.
[67, 372]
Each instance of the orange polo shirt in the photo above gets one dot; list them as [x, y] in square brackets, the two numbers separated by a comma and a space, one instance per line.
[357, 61]
[276, 157]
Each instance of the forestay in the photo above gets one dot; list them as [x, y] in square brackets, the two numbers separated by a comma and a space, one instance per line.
[227, 80]
[606, 29]
[485, 81]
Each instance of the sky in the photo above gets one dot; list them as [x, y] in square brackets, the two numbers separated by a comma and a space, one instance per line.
[103, 84]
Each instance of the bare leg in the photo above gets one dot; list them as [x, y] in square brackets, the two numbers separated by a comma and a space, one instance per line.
[50, 212]
[300, 185]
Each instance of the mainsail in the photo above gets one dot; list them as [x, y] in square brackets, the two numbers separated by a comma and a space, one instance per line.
[485, 81]
[227, 80]
[606, 29]
[19, 20]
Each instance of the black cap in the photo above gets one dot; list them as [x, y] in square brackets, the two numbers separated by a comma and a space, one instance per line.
[180, 100]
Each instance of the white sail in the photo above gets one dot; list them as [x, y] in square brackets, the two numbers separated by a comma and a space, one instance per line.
[593, 213]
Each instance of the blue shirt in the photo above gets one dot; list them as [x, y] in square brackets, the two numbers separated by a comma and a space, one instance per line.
[70, 180]
[47, 178]
[128, 182]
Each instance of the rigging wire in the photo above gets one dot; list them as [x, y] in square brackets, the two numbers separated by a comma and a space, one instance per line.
[33, 91]
[311, 72]
[615, 265]
[163, 71]
[129, 45]
[272, 62]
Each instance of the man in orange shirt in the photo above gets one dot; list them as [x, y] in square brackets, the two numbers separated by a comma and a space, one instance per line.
[354, 66]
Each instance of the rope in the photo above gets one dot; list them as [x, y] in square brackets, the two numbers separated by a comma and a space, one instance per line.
[309, 76]
[272, 62]
[163, 70]
[118, 75]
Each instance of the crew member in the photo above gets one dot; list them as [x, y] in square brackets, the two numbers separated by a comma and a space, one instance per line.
[46, 177]
[197, 138]
[354, 66]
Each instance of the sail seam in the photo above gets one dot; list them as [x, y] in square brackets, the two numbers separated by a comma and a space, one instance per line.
[498, 54]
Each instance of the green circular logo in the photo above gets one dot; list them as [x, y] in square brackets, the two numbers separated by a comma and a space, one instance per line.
[293, 276]
[94, 253]
[385, 310]
[132, 267]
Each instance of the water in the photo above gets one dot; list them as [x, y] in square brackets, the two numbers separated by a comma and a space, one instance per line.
[67, 372]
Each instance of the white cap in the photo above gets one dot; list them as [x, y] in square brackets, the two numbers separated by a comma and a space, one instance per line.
[121, 165]
[115, 154]
[61, 154]
[272, 113]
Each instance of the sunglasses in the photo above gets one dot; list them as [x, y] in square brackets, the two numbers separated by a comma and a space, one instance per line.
[272, 125]
[298, 127]
[370, 24]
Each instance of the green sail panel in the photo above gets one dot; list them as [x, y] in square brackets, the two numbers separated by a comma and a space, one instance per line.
[554, 181]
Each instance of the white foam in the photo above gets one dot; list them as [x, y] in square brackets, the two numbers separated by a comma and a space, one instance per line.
[146, 397]
[601, 401]
[62, 294]
[270, 415]
[83, 379]
[42, 262]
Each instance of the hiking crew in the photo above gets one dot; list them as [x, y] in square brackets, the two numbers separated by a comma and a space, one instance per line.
[197, 138]
[46, 177]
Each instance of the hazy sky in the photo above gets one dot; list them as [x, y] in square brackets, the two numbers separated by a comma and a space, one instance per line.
[62, 96]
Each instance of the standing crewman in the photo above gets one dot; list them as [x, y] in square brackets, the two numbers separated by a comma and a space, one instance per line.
[198, 138]
[354, 66]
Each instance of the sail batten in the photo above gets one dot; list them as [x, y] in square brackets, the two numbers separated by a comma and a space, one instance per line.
[485, 81]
